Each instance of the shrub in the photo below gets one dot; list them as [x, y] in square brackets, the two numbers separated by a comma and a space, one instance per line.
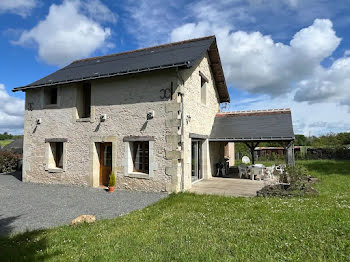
[295, 181]
[296, 174]
[8, 162]
[112, 180]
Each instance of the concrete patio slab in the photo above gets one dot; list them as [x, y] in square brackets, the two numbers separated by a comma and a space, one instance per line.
[227, 187]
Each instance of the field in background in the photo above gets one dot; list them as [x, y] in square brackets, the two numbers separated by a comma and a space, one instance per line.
[187, 227]
[5, 142]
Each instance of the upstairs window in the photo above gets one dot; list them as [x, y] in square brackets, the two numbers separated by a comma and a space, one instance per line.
[204, 81]
[84, 101]
[141, 156]
[50, 96]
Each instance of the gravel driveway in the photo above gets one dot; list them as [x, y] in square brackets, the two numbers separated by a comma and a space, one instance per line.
[28, 206]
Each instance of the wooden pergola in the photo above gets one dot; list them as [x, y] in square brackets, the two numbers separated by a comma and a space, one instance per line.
[254, 127]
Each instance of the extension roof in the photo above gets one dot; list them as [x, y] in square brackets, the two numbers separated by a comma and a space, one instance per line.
[183, 54]
[255, 125]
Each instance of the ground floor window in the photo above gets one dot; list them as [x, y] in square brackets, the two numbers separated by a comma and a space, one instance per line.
[139, 161]
[55, 159]
[141, 156]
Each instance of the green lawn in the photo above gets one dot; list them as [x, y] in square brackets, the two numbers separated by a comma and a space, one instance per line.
[5, 142]
[187, 227]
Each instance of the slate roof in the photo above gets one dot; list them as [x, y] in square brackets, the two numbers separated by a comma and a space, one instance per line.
[257, 125]
[183, 54]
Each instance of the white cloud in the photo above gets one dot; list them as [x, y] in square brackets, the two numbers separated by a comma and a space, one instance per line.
[331, 84]
[254, 62]
[11, 111]
[314, 119]
[347, 52]
[20, 7]
[151, 21]
[98, 11]
[70, 31]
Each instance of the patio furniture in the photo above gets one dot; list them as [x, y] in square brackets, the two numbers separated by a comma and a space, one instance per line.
[280, 169]
[222, 168]
[242, 171]
[268, 172]
[256, 171]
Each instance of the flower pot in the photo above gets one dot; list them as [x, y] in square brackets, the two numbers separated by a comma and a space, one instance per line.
[111, 189]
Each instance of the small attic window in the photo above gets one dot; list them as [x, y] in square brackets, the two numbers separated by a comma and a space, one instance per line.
[50, 96]
[204, 81]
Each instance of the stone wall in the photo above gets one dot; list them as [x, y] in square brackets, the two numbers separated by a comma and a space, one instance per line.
[199, 117]
[126, 101]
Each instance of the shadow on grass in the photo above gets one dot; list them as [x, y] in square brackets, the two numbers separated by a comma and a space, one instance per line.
[29, 246]
[5, 225]
[328, 167]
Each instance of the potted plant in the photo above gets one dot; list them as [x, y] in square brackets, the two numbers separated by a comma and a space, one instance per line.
[111, 184]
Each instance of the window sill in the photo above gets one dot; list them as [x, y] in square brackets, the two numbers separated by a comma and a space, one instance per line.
[52, 106]
[55, 170]
[88, 119]
[138, 175]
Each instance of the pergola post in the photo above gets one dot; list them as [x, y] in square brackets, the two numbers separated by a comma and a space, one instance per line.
[290, 154]
[252, 147]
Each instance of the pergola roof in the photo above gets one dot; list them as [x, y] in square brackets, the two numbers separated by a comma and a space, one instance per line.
[256, 125]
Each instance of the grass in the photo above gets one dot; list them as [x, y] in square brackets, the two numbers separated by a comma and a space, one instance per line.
[5, 142]
[187, 227]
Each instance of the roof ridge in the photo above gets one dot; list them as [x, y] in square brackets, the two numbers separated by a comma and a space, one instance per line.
[146, 48]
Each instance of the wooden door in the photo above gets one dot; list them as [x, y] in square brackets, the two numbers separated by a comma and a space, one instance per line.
[105, 163]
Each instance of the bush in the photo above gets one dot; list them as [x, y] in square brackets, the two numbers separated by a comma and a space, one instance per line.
[8, 162]
[294, 181]
[112, 180]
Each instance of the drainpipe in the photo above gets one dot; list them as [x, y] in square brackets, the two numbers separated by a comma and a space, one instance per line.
[182, 130]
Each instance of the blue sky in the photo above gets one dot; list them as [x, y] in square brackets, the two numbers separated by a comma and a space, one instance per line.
[275, 53]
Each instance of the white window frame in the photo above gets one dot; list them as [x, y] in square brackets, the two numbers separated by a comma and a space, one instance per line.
[50, 159]
[128, 158]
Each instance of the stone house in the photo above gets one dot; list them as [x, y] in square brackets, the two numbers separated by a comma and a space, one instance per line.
[146, 115]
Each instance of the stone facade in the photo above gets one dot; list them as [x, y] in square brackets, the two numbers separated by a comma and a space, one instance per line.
[199, 117]
[125, 100]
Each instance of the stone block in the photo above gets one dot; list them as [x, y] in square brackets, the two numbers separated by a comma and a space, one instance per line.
[173, 154]
[171, 107]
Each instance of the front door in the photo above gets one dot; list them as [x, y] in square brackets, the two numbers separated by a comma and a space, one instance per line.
[105, 163]
[196, 160]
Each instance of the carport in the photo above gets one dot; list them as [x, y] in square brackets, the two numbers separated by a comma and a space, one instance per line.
[254, 127]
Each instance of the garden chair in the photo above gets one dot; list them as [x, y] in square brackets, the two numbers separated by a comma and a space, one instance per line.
[242, 171]
[268, 172]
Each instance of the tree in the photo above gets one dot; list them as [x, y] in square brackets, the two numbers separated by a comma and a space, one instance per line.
[301, 140]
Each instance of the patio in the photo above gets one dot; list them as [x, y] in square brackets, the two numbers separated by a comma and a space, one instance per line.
[227, 187]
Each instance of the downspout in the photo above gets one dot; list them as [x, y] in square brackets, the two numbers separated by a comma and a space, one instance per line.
[182, 129]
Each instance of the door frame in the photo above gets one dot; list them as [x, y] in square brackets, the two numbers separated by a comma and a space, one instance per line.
[102, 146]
[199, 162]
[94, 177]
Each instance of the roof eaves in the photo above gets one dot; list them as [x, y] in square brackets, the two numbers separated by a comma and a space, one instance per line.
[280, 138]
[187, 64]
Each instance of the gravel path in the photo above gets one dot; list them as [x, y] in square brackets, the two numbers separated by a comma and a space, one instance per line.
[28, 206]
